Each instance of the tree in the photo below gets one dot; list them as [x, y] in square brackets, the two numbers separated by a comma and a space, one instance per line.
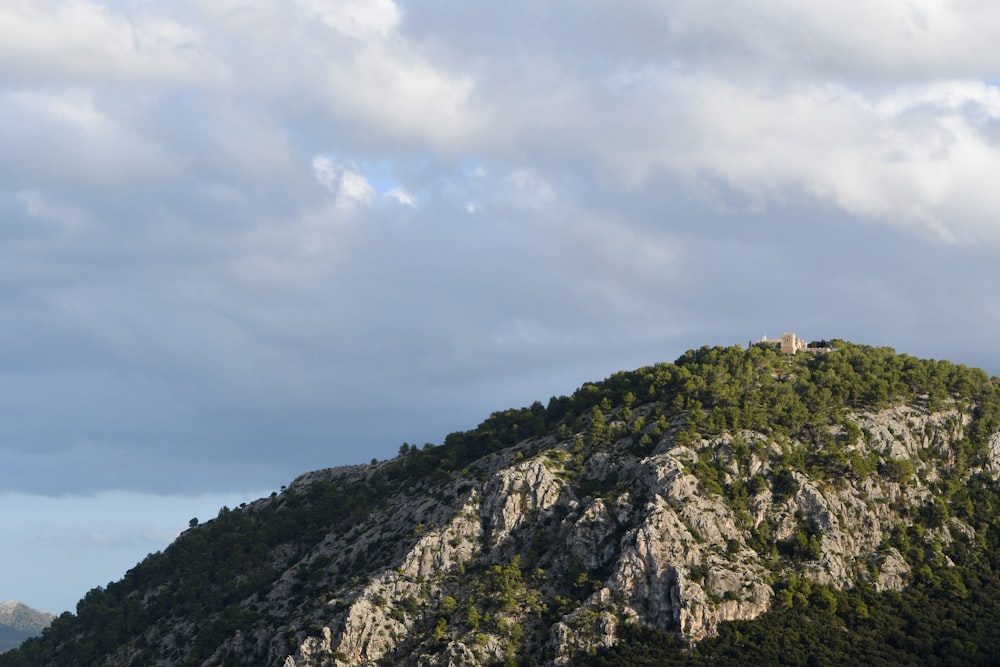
[472, 617]
[598, 431]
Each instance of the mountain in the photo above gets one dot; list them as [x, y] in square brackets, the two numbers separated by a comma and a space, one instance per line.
[837, 505]
[18, 622]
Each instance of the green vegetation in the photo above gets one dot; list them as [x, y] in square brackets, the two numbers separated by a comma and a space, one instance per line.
[206, 576]
[805, 398]
[801, 403]
[732, 406]
[952, 623]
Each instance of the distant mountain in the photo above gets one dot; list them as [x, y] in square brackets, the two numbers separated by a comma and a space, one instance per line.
[739, 505]
[18, 622]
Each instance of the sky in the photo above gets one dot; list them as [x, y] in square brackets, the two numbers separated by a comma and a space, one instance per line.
[245, 239]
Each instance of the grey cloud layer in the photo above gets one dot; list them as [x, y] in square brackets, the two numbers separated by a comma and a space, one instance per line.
[270, 236]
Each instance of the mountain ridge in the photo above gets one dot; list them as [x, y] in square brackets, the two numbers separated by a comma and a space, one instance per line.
[18, 622]
[677, 497]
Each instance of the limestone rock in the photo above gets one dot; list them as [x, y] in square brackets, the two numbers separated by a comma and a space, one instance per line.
[551, 545]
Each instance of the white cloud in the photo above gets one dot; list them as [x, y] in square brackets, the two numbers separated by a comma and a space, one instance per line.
[64, 135]
[360, 19]
[327, 173]
[912, 158]
[403, 197]
[868, 107]
[75, 40]
[344, 180]
[788, 39]
[390, 88]
[354, 187]
[346, 64]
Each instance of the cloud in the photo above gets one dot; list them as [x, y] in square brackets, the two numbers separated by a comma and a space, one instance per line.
[65, 138]
[879, 41]
[776, 100]
[773, 100]
[390, 89]
[67, 41]
[343, 180]
[355, 18]
[403, 197]
[249, 223]
[911, 158]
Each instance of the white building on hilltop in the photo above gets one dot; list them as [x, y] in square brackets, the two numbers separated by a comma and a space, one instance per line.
[789, 343]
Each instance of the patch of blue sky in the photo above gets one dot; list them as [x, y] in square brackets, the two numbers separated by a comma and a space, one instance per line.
[382, 183]
[107, 533]
[380, 174]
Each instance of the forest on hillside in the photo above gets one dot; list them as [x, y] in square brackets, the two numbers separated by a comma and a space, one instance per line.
[802, 402]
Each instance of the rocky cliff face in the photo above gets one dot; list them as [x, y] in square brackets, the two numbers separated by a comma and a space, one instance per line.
[630, 538]
[544, 547]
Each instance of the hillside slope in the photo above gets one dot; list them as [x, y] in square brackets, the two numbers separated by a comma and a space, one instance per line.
[675, 498]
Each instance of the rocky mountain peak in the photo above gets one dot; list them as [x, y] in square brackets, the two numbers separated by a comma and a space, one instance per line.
[19, 622]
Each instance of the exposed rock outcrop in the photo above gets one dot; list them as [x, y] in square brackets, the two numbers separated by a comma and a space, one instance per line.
[495, 547]
[18, 622]
[654, 546]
